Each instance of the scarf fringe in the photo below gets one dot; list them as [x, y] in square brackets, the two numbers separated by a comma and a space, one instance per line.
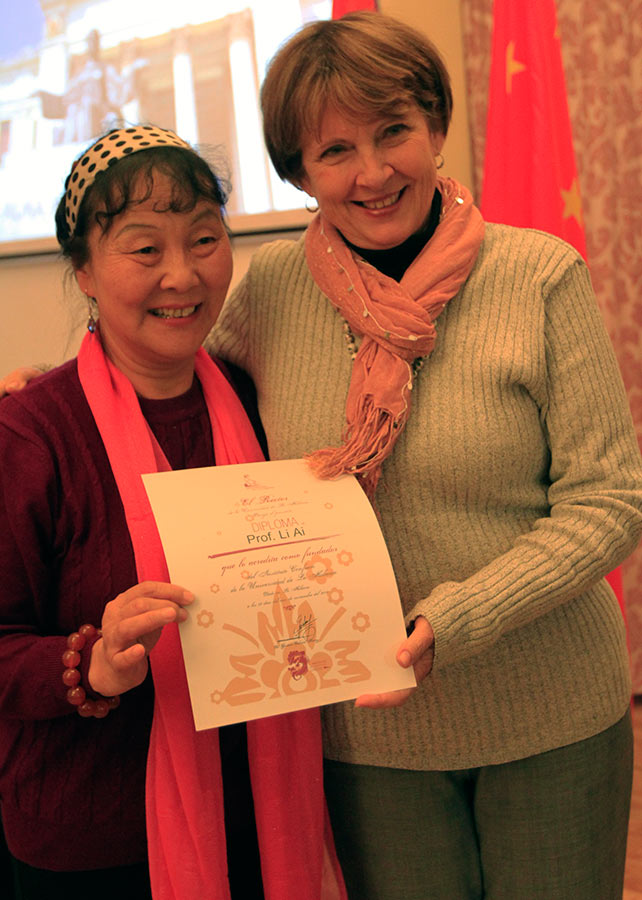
[363, 449]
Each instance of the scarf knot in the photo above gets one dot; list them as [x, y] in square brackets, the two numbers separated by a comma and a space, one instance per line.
[396, 323]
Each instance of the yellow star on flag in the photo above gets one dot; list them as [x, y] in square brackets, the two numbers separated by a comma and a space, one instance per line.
[513, 66]
[572, 203]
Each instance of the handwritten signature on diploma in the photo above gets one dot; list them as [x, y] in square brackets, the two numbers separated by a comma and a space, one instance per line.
[306, 630]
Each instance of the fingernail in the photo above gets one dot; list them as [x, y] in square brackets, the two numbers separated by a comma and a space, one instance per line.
[405, 659]
[188, 596]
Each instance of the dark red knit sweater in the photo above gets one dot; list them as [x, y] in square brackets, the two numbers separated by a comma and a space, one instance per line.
[72, 789]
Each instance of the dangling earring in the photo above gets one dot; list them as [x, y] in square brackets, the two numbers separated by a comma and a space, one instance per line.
[439, 161]
[311, 209]
[91, 322]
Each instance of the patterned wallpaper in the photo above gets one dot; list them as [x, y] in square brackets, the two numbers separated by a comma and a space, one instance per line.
[602, 53]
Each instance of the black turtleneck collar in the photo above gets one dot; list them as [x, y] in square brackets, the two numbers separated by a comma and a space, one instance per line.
[394, 261]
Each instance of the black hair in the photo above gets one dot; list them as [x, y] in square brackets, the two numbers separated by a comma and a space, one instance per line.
[112, 192]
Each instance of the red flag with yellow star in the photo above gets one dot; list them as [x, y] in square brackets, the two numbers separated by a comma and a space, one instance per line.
[530, 177]
[341, 7]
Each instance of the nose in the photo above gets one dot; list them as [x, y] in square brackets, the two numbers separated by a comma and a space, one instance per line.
[374, 169]
[180, 272]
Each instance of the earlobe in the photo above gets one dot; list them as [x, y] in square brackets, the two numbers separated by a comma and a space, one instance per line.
[304, 185]
[83, 281]
[437, 140]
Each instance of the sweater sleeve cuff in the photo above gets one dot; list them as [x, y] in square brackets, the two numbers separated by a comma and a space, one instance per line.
[435, 609]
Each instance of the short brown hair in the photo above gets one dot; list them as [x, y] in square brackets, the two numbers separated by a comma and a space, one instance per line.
[365, 64]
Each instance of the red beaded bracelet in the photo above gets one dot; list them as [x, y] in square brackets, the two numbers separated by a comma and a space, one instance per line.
[71, 677]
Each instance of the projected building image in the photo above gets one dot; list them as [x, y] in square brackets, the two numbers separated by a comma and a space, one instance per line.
[71, 70]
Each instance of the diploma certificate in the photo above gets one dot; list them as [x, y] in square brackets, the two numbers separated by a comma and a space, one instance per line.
[296, 600]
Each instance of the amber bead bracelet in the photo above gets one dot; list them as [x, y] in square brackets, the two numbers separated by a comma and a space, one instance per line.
[71, 677]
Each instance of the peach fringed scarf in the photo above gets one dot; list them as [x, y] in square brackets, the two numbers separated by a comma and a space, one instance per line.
[186, 830]
[397, 324]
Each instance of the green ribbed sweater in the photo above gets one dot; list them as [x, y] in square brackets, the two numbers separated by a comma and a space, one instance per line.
[516, 485]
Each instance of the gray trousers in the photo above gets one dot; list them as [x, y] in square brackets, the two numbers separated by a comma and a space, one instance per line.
[549, 827]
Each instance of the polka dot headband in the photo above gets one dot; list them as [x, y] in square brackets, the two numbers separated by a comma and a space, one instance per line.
[104, 153]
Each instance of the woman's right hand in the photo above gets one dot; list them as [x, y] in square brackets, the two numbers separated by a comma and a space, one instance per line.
[131, 626]
[16, 380]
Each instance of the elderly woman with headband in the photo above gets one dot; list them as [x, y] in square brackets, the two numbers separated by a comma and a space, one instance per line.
[99, 760]
[463, 372]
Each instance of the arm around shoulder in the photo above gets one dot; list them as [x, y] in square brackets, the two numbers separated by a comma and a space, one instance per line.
[19, 378]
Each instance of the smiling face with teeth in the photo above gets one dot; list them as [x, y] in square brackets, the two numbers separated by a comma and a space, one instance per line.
[374, 180]
[159, 278]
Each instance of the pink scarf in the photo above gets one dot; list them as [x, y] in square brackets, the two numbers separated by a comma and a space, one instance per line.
[397, 324]
[186, 831]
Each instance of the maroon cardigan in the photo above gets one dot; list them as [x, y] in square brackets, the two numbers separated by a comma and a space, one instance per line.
[72, 789]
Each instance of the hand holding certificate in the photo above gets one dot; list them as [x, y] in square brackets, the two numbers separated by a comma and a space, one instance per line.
[296, 601]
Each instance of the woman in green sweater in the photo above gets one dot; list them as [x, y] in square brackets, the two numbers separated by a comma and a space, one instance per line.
[464, 373]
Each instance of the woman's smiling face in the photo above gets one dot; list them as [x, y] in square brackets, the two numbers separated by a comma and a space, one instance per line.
[373, 180]
[159, 279]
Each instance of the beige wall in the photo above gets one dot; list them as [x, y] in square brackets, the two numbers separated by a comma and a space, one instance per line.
[441, 21]
[41, 322]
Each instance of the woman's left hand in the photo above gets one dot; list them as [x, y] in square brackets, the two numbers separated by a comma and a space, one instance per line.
[417, 650]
